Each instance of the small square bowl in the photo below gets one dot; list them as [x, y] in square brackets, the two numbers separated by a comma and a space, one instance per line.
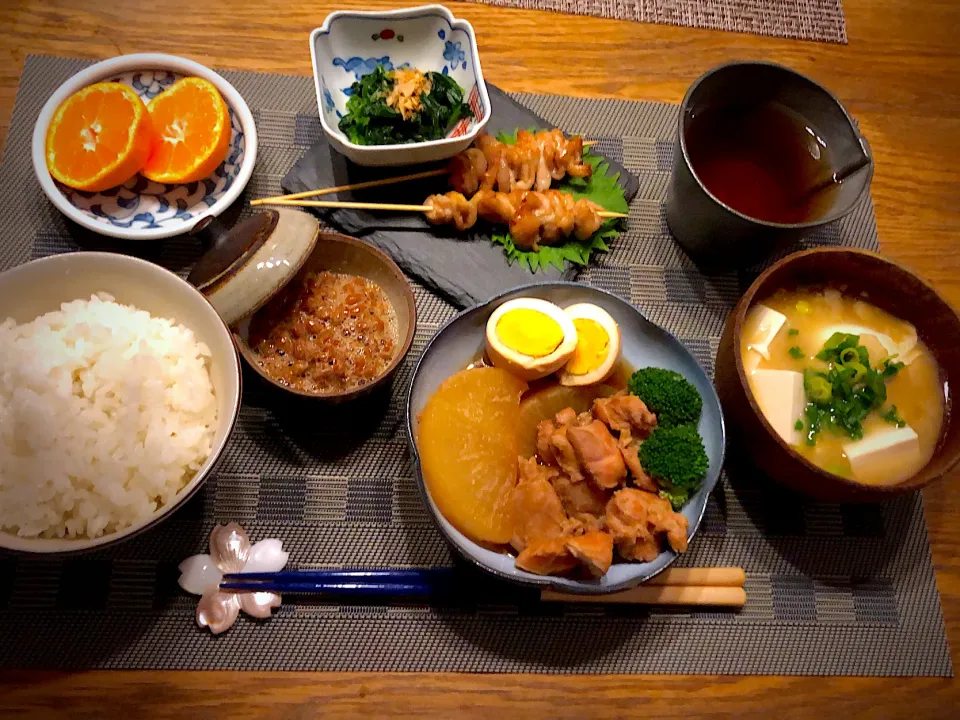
[350, 44]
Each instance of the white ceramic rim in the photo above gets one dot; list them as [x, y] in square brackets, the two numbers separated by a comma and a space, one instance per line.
[126, 63]
[45, 546]
[455, 23]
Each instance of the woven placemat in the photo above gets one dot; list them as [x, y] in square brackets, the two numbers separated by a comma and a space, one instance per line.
[831, 589]
[820, 20]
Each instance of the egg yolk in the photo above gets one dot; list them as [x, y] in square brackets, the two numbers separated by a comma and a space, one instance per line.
[593, 343]
[529, 332]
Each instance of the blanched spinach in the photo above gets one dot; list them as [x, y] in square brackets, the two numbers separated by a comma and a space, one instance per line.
[370, 121]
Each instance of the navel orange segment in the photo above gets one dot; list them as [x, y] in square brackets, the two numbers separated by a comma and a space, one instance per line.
[99, 137]
[191, 132]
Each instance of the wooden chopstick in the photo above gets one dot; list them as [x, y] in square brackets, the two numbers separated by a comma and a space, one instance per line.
[711, 595]
[717, 576]
[718, 587]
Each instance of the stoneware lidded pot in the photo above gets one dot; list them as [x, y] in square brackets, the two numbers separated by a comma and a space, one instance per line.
[250, 263]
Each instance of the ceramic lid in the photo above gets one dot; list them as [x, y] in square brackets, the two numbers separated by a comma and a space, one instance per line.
[248, 264]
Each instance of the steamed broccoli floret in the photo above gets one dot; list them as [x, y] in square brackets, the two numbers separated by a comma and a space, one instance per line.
[667, 394]
[676, 459]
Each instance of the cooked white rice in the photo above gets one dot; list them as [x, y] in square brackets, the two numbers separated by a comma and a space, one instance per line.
[106, 413]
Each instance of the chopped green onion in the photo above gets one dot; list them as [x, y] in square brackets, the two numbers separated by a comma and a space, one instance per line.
[859, 369]
[796, 353]
[793, 331]
[798, 425]
[893, 417]
[817, 387]
[891, 368]
[848, 356]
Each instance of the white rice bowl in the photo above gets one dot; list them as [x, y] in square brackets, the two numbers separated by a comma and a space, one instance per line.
[106, 413]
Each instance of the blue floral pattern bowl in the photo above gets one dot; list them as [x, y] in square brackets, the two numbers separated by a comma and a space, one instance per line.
[351, 44]
[141, 209]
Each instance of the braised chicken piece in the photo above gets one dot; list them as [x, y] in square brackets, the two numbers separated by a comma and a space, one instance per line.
[547, 557]
[637, 519]
[661, 518]
[631, 456]
[545, 430]
[580, 498]
[627, 414]
[537, 511]
[594, 550]
[584, 419]
[598, 454]
[563, 453]
[589, 523]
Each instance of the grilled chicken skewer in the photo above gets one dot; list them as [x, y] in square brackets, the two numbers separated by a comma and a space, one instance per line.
[534, 218]
[534, 162]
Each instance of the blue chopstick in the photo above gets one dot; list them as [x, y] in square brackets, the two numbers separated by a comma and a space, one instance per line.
[425, 581]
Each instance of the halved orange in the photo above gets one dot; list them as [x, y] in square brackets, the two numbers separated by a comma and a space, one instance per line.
[191, 132]
[99, 137]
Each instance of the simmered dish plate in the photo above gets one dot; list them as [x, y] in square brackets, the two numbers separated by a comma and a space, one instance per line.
[466, 340]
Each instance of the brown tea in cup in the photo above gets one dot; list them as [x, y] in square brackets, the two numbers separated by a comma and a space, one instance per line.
[762, 160]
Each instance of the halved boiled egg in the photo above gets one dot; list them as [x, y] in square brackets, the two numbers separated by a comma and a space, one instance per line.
[598, 345]
[530, 338]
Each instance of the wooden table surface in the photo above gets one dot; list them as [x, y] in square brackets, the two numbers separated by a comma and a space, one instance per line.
[898, 76]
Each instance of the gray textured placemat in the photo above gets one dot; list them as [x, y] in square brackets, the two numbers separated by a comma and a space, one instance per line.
[462, 268]
[801, 19]
[832, 590]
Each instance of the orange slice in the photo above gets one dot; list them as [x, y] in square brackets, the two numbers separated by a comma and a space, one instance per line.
[99, 137]
[191, 132]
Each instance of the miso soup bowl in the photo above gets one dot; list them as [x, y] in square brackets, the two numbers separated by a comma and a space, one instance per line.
[891, 287]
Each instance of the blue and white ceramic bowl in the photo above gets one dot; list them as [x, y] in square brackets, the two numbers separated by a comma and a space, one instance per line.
[643, 344]
[350, 44]
[141, 209]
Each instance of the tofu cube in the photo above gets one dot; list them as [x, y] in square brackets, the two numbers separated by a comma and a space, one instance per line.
[761, 327]
[779, 393]
[883, 452]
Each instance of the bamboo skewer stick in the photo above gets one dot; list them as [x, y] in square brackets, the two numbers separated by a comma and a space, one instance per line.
[354, 186]
[360, 185]
[353, 205]
[386, 206]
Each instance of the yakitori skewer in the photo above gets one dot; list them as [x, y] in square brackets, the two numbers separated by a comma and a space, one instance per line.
[534, 218]
[533, 162]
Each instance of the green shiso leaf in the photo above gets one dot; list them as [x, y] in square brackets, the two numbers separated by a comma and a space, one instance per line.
[601, 187]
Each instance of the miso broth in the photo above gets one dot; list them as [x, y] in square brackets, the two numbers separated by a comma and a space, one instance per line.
[916, 390]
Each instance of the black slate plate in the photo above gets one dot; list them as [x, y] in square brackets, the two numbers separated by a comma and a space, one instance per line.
[464, 268]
